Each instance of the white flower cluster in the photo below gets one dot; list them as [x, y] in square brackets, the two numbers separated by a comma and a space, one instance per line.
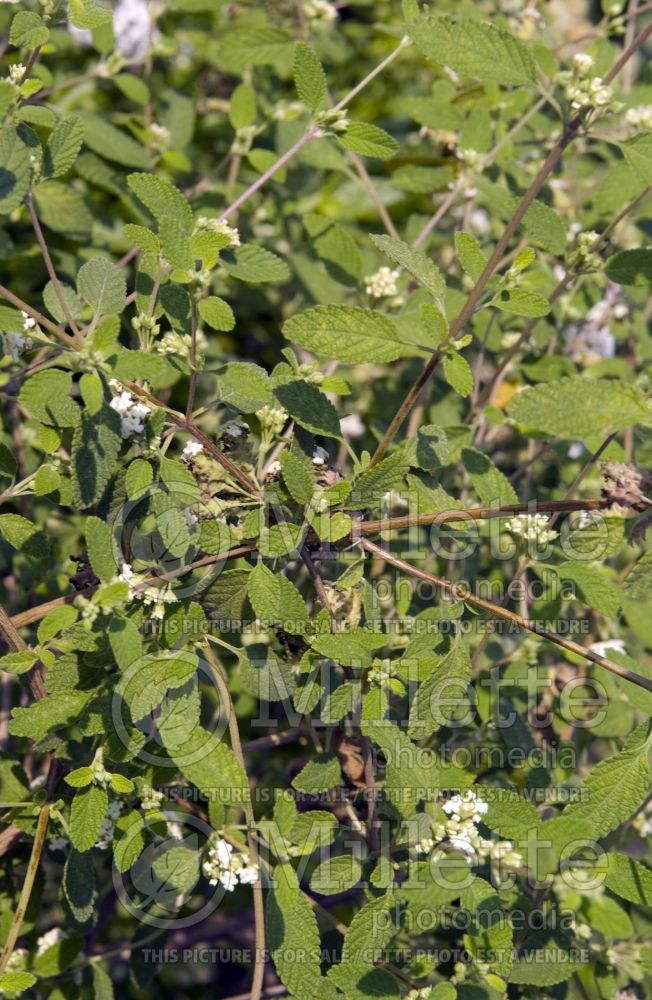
[532, 527]
[592, 340]
[15, 342]
[223, 228]
[319, 12]
[160, 136]
[464, 811]
[272, 419]
[331, 122]
[421, 994]
[583, 257]
[107, 829]
[150, 798]
[382, 672]
[191, 450]
[381, 283]
[131, 410]
[49, 939]
[227, 868]
[586, 94]
[640, 117]
[133, 27]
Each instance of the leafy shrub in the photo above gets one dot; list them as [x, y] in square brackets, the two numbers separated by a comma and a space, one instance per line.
[327, 414]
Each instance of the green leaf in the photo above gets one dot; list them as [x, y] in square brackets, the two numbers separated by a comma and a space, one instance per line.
[112, 143]
[629, 879]
[46, 396]
[28, 30]
[19, 662]
[309, 407]
[309, 77]
[458, 374]
[579, 408]
[62, 208]
[292, 930]
[616, 786]
[79, 886]
[368, 140]
[99, 545]
[545, 227]
[474, 48]
[95, 447]
[445, 687]
[86, 815]
[138, 479]
[297, 476]
[491, 485]
[630, 267]
[17, 145]
[80, 777]
[37, 719]
[638, 154]
[16, 982]
[319, 774]
[243, 386]
[415, 262]
[521, 302]
[470, 255]
[242, 107]
[216, 313]
[103, 285]
[63, 147]
[599, 592]
[546, 959]
[345, 333]
[88, 14]
[23, 535]
[163, 200]
[70, 297]
[254, 264]
[336, 875]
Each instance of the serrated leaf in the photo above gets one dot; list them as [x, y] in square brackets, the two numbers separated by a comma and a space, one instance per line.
[345, 333]
[292, 930]
[368, 140]
[18, 662]
[17, 144]
[521, 302]
[62, 208]
[629, 879]
[95, 447]
[103, 285]
[458, 374]
[243, 386]
[319, 774]
[139, 477]
[336, 875]
[46, 395]
[545, 227]
[309, 77]
[16, 982]
[216, 313]
[631, 267]
[88, 14]
[598, 591]
[578, 408]
[112, 143]
[164, 201]
[63, 147]
[309, 407]
[415, 262]
[477, 49]
[51, 713]
[616, 786]
[255, 264]
[470, 255]
[79, 885]
[28, 30]
[99, 545]
[87, 812]
[70, 297]
[638, 154]
[297, 476]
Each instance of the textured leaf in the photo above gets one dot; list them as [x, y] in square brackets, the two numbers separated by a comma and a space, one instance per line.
[345, 333]
[630, 267]
[309, 77]
[368, 140]
[417, 263]
[95, 448]
[139, 477]
[28, 30]
[470, 255]
[216, 313]
[580, 407]
[103, 285]
[545, 228]
[336, 875]
[254, 264]
[63, 147]
[62, 208]
[458, 374]
[51, 713]
[46, 395]
[17, 144]
[243, 386]
[629, 879]
[474, 48]
[521, 302]
[164, 201]
[292, 931]
[86, 814]
[319, 774]
[638, 154]
[79, 886]
[112, 143]
[309, 407]
[99, 544]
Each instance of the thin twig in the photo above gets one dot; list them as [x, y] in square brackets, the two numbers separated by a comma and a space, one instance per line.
[461, 593]
[26, 891]
[39, 317]
[56, 284]
[16, 643]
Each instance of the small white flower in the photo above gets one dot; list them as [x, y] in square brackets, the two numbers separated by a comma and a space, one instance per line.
[192, 449]
[221, 227]
[132, 412]
[28, 322]
[532, 527]
[319, 12]
[381, 283]
[319, 456]
[582, 62]
[49, 939]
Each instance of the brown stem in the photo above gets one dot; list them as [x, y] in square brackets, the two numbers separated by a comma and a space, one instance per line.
[26, 891]
[56, 284]
[461, 593]
[459, 323]
[39, 317]
[187, 425]
[16, 643]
